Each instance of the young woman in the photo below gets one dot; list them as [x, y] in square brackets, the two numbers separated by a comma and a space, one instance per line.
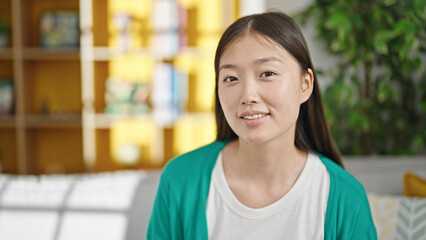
[273, 172]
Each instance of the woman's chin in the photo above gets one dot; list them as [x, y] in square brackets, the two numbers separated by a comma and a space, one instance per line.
[254, 140]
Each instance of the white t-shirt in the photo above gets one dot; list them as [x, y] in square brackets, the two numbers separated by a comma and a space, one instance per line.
[300, 214]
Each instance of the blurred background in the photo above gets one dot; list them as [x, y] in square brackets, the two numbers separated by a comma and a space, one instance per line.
[105, 85]
[113, 89]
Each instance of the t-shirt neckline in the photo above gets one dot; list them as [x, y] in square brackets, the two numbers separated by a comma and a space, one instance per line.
[281, 204]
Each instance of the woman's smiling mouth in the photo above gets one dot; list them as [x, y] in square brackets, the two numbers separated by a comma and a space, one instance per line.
[256, 116]
[253, 118]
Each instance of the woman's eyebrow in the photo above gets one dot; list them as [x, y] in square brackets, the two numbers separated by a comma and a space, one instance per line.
[256, 62]
[267, 59]
[228, 66]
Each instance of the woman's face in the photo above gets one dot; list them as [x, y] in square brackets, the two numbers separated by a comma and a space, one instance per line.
[260, 88]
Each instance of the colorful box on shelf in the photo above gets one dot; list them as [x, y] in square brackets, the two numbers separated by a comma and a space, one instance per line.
[6, 97]
[4, 31]
[4, 40]
[126, 98]
[59, 30]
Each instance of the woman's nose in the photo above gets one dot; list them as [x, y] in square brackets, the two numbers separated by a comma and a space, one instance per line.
[249, 93]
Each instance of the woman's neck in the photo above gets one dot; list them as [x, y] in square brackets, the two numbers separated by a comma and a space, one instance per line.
[264, 163]
[260, 174]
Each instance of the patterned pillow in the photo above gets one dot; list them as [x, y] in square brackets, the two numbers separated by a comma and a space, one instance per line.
[398, 217]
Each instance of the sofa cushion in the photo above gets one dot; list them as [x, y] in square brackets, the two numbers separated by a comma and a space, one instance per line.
[414, 185]
[398, 217]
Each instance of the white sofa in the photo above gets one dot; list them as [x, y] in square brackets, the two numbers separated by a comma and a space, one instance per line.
[107, 206]
[117, 205]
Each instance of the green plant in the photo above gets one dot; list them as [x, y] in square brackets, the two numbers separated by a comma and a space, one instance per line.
[4, 25]
[377, 101]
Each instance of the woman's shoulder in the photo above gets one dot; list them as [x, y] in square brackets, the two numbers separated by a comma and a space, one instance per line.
[348, 207]
[195, 162]
[343, 182]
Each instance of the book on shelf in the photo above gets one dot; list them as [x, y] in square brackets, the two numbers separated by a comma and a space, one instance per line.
[169, 91]
[183, 25]
[166, 44]
[122, 23]
[169, 26]
[165, 15]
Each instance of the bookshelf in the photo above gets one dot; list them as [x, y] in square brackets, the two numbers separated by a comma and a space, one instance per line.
[60, 123]
[6, 56]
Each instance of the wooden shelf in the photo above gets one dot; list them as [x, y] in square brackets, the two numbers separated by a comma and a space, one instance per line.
[107, 53]
[7, 122]
[6, 54]
[54, 121]
[104, 121]
[74, 81]
[196, 51]
[44, 54]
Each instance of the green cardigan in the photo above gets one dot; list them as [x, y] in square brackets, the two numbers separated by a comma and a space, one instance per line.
[179, 210]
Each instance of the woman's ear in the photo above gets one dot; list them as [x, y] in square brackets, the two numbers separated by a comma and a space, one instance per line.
[307, 85]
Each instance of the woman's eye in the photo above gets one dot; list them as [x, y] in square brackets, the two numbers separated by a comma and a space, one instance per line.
[230, 79]
[267, 74]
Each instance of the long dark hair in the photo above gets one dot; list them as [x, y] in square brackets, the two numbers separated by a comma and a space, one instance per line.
[312, 132]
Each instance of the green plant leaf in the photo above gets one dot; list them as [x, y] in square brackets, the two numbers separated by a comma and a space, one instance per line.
[386, 92]
[389, 2]
[420, 5]
[390, 36]
[380, 41]
[423, 107]
[399, 27]
[378, 13]
[358, 120]
[400, 123]
[417, 63]
[418, 142]
[338, 21]
[337, 46]
[357, 21]
[355, 81]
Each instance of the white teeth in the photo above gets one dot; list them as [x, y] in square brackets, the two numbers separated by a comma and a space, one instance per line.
[254, 116]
